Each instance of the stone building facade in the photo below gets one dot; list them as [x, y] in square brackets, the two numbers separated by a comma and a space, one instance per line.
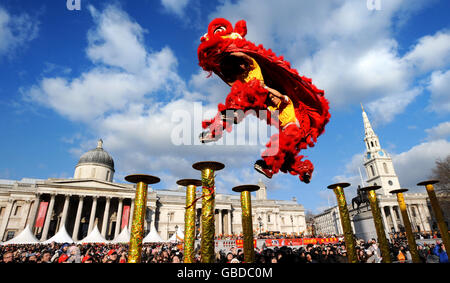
[91, 198]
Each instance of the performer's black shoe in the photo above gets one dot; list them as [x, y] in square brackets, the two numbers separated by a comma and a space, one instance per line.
[306, 178]
[261, 167]
[206, 137]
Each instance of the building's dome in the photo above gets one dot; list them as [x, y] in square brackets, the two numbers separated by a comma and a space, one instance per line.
[97, 156]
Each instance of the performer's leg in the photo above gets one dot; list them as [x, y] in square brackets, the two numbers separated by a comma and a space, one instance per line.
[243, 96]
[281, 149]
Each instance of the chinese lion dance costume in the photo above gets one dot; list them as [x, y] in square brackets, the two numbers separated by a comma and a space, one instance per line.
[260, 80]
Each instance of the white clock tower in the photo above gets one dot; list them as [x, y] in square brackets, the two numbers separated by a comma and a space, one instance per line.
[379, 168]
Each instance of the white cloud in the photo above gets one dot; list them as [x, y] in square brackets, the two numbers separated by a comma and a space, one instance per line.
[415, 165]
[439, 88]
[116, 40]
[124, 72]
[175, 6]
[348, 50]
[431, 52]
[441, 131]
[16, 31]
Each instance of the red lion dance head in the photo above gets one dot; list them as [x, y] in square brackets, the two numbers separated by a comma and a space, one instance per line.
[311, 107]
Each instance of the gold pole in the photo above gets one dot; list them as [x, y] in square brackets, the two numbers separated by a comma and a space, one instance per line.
[208, 169]
[410, 236]
[140, 207]
[345, 220]
[376, 214]
[437, 212]
[247, 225]
[189, 218]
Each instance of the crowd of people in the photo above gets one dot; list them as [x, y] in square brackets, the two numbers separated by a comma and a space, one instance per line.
[367, 252]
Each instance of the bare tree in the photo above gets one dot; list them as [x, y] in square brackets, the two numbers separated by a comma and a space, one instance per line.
[442, 173]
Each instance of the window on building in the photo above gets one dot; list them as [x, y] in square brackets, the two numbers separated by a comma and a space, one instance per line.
[268, 218]
[371, 143]
[107, 176]
[17, 210]
[10, 235]
[385, 168]
[372, 170]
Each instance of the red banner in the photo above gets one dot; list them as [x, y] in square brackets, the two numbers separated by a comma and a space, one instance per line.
[125, 216]
[240, 243]
[41, 214]
[300, 242]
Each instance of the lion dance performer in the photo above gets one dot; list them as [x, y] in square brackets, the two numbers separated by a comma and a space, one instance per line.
[260, 80]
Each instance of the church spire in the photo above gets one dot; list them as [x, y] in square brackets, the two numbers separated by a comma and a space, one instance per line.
[379, 167]
[370, 138]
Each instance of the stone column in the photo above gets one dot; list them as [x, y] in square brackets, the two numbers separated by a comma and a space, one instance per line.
[419, 215]
[32, 219]
[131, 214]
[423, 214]
[428, 217]
[6, 216]
[393, 218]
[48, 217]
[119, 217]
[229, 222]
[64, 213]
[265, 221]
[76, 227]
[105, 216]
[387, 229]
[220, 221]
[412, 218]
[275, 216]
[401, 218]
[92, 216]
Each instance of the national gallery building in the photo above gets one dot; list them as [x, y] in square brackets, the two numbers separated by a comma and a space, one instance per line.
[91, 199]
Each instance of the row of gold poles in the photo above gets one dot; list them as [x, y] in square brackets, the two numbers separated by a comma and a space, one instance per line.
[208, 169]
[384, 245]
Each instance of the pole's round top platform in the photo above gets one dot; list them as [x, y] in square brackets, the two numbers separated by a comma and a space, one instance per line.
[213, 165]
[189, 182]
[243, 188]
[342, 185]
[428, 182]
[398, 191]
[148, 179]
[370, 188]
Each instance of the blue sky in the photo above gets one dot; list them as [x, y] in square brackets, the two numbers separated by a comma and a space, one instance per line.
[118, 70]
